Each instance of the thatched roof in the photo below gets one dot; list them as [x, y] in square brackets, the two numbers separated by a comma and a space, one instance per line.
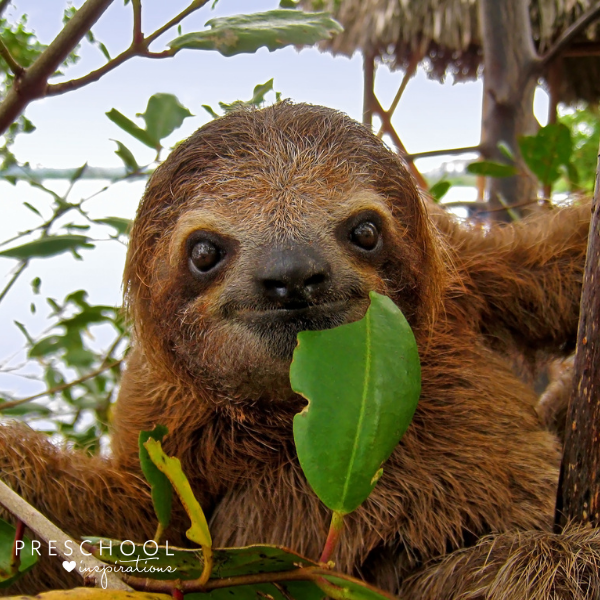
[446, 34]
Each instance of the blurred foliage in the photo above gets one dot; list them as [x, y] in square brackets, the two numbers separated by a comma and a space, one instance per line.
[584, 124]
[81, 380]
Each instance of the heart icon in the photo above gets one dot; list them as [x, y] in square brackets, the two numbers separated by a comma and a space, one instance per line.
[68, 566]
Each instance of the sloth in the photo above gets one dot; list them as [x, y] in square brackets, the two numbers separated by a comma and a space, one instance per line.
[268, 222]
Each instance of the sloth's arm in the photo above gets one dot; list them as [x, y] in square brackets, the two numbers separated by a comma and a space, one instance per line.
[521, 283]
[83, 495]
[521, 564]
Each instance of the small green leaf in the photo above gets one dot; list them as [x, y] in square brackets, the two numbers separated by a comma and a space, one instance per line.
[489, 168]
[46, 346]
[162, 490]
[132, 129]
[123, 226]
[288, 4]
[28, 126]
[210, 111]
[546, 151]
[32, 208]
[506, 150]
[171, 467]
[104, 50]
[260, 91]
[362, 381]
[127, 157]
[27, 555]
[48, 246]
[438, 190]
[247, 33]
[78, 173]
[24, 331]
[164, 114]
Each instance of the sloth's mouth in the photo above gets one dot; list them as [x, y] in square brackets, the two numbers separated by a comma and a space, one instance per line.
[298, 310]
[278, 327]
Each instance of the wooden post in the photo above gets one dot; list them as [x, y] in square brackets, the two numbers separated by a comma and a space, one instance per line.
[579, 485]
[369, 88]
[510, 67]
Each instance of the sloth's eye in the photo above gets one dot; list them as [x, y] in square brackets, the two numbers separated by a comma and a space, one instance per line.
[365, 235]
[204, 256]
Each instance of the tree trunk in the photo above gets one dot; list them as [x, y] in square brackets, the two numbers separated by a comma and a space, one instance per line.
[509, 84]
[579, 486]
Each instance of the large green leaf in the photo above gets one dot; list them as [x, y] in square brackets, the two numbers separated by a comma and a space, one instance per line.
[27, 556]
[362, 381]
[48, 246]
[273, 29]
[164, 114]
[188, 564]
[162, 490]
[546, 151]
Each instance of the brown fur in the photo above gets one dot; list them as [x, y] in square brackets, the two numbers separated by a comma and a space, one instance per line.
[476, 461]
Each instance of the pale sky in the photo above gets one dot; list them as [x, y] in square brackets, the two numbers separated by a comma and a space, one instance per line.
[73, 129]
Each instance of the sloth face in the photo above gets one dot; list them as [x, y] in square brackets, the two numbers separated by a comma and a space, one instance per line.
[264, 224]
[248, 286]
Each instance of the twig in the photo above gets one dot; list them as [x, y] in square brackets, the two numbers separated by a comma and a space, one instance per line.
[48, 532]
[195, 5]
[315, 574]
[20, 269]
[136, 49]
[588, 17]
[34, 80]
[138, 36]
[13, 65]
[410, 71]
[428, 153]
[60, 388]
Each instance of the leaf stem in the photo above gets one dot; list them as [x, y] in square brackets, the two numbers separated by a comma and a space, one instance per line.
[159, 532]
[208, 565]
[333, 537]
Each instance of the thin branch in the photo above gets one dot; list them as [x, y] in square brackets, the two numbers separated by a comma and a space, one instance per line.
[61, 387]
[136, 49]
[154, 585]
[34, 80]
[14, 278]
[464, 150]
[195, 5]
[389, 129]
[138, 36]
[410, 71]
[13, 65]
[47, 531]
[567, 36]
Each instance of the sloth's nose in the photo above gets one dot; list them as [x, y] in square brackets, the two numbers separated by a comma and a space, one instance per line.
[293, 277]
